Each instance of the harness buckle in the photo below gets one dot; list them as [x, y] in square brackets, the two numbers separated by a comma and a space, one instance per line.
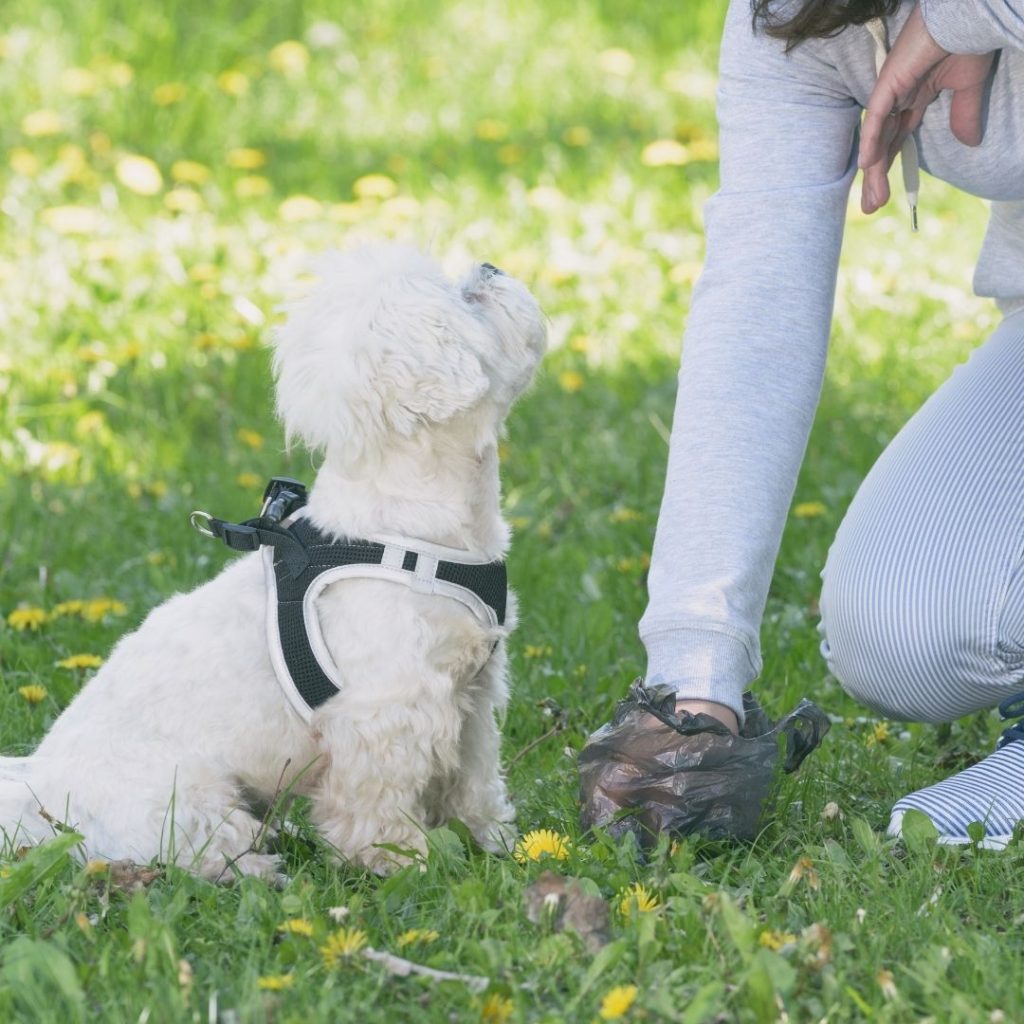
[200, 523]
[283, 495]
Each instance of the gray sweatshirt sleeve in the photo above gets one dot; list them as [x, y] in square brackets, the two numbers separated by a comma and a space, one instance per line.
[975, 26]
[753, 359]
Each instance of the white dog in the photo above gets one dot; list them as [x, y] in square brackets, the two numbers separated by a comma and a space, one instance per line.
[403, 380]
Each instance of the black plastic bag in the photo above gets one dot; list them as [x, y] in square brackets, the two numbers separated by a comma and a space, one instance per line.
[710, 781]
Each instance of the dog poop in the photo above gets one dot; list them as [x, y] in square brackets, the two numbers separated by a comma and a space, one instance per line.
[651, 770]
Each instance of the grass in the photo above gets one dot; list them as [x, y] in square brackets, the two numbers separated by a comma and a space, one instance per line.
[135, 298]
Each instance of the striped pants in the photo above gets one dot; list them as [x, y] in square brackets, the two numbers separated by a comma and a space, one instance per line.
[923, 592]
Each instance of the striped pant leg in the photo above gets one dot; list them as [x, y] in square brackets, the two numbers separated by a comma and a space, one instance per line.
[923, 591]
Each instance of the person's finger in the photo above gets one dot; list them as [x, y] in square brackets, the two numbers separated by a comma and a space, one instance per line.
[874, 193]
[965, 114]
[874, 130]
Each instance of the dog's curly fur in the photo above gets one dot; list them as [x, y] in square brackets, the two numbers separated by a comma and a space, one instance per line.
[402, 379]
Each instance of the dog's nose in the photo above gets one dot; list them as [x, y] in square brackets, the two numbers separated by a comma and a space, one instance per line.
[490, 269]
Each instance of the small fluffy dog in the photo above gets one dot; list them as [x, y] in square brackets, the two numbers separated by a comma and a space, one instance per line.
[402, 379]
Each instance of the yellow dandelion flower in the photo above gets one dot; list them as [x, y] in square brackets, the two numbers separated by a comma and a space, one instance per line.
[290, 58]
[79, 82]
[538, 651]
[249, 481]
[665, 153]
[577, 136]
[617, 1002]
[417, 935]
[625, 515]
[774, 940]
[703, 149]
[374, 186]
[234, 83]
[296, 208]
[249, 438]
[83, 923]
[183, 200]
[190, 172]
[120, 74]
[71, 220]
[96, 867]
[74, 607]
[342, 945]
[809, 509]
[510, 154]
[616, 61]
[100, 607]
[27, 617]
[80, 661]
[23, 161]
[42, 122]
[637, 899]
[580, 343]
[571, 381]
[491, 130]
[275, 982]
[296, 926]
[252, 186]
[879, 734]
[540, 843]
[496, 1009]
[166, 94]
[139, 174]
[246, 158]
[33, 693]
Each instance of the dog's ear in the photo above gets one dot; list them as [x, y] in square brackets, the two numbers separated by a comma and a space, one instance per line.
[383, 344]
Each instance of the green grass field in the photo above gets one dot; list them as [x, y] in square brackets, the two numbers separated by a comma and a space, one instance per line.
[165, 171]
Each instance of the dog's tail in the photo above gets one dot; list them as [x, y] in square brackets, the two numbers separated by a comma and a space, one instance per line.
[16, 800]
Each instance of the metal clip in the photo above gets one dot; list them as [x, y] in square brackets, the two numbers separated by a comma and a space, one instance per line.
[200, 521]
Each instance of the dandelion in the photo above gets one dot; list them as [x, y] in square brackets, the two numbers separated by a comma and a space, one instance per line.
[878, 735]
[571, 381]
[74, 607]
[234, 83]
[496, 1009]
[342, 945]
[887, 984]
[246, 159]
[577, 136]
[290, 58]
[637, 899]
[540, 843]
[420, 936]
[374, 186]
[248, 481]
[42, 122]
[94, 868]
[491, 130]
[296, 926]
[703, 149]
[100, 607]
[139, 174]
[831, 811]
[775, 940]
[249, 438]
[274, 982]
[538, 651]
[665, 153]
[625, 515]
[804, 868]
[33, 693]
[252, 186]
[169, 93]
[616, 61]
[83, 923]
[27, 617]
[809, 509]
[338, 914]
[80, 661]
[79, 82]
[23, 162]
[296, 208]
[183, 200]
[190, 172]
[617, 1002]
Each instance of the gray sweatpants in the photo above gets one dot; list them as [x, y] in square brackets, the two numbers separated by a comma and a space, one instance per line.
[923, 596]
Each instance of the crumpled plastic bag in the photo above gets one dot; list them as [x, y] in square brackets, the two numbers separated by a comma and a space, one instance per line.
[690, 774]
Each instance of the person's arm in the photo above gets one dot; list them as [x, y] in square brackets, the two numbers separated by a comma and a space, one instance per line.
[753, 359]
[975, 26]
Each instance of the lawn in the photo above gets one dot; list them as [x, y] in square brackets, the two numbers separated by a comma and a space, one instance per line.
[165, 170]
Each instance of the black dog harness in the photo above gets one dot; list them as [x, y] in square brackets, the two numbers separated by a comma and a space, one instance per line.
[300, 562]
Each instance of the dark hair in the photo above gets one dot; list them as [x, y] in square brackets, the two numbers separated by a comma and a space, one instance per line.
[818, 18]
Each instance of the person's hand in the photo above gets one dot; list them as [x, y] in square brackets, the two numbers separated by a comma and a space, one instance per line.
[915, 72]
